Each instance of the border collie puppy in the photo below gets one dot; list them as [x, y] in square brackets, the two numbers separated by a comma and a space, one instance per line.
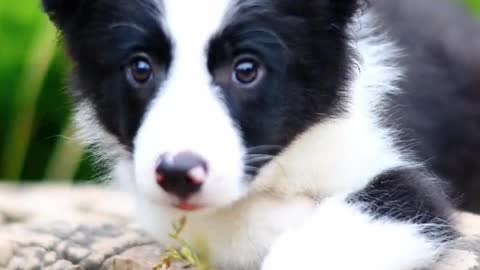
[272, 124]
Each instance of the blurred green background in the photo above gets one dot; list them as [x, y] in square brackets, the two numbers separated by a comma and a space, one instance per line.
[35, 132]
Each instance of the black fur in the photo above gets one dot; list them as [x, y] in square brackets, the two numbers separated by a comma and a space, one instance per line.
[61, 11]
[440, 110]
[101, 40]
[409, 195]
[305, 84]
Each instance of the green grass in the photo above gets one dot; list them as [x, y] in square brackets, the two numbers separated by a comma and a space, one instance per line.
[20, 131]
[33, 106]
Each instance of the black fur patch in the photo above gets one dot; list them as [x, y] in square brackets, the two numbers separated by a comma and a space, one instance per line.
[409, 195]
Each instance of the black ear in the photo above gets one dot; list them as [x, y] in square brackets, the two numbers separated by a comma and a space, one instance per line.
[338, 12]
[62, 11]
[345, 9]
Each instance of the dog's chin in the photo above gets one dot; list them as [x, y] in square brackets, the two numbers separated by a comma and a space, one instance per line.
[191, 208]
[201, 203]
[203, 206]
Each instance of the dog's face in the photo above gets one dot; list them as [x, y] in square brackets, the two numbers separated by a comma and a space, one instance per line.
[201, 94]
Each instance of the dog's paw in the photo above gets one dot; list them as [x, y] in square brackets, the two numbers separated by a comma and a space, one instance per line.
[291, 251]
[341, 236]
[318, 244]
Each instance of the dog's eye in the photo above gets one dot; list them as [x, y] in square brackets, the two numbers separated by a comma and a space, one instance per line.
[247, 71]
[139, 71]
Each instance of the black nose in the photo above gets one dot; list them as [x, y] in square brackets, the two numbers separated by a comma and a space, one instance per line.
[181, 175]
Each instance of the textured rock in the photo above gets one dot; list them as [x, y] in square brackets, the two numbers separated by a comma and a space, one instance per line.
[88, 228]
[26, 247]
[65, 228]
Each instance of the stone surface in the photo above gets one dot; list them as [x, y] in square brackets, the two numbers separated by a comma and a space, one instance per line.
[88, 228]
[66, 228]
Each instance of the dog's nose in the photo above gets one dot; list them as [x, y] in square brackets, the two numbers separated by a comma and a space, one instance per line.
[182, 174]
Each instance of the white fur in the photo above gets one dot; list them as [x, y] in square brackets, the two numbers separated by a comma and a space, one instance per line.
[108, 150]
[238, 236]
[106, 147]
[342, 237]
[187, 114]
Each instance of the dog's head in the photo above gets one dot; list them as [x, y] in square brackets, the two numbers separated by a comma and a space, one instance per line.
[199, 95]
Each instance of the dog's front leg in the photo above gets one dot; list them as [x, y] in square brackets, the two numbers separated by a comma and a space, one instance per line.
[400, 221]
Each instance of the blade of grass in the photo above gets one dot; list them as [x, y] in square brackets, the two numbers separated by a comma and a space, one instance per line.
[36, 67]
[66, 157]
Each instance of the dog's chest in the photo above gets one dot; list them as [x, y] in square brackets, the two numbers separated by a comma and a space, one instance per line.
[240, 237]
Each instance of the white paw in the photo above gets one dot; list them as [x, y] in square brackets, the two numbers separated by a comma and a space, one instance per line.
[291, 252]
[317, 244]
[341, 237]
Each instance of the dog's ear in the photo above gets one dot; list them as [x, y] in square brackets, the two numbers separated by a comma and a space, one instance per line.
[344, 9]
[62, 11]
[339, 12]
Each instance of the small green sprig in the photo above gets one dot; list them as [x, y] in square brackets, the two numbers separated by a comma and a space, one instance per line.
[185, 254]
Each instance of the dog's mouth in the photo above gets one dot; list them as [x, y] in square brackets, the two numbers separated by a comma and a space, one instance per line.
[188, 207]
[203, 202]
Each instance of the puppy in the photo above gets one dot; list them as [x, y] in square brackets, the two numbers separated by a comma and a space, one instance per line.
[276, 126]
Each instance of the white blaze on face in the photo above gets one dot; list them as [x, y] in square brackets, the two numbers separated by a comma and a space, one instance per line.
[188, 113]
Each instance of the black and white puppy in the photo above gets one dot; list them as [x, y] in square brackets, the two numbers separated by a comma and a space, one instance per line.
[269, 123]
